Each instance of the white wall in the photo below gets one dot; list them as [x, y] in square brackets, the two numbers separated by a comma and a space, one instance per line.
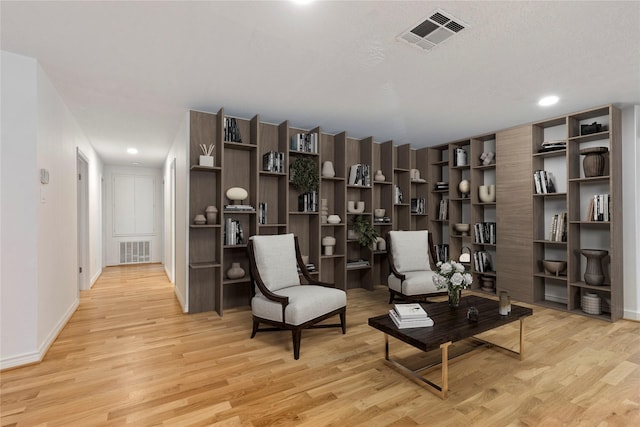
[179, 152]
[631, 210]
[112, 241]
[39, 288]
[19, 195]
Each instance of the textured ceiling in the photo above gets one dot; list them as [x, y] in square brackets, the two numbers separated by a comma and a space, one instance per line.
[129, 70]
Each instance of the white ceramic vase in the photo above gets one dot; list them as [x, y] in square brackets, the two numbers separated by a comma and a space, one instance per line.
[355, 207]
[235, 272]
[379, 176]
[464, 187]
[328, 242]
[333, 219]
[487, 193]
[328, 170]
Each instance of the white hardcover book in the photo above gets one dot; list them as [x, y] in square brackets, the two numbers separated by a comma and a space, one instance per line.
[404, 324]
[410, 311]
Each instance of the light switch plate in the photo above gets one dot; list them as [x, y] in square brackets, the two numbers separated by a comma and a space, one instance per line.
[44, 176]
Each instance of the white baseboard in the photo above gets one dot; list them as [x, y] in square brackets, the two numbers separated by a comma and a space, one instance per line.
[95, 278]
[37, 356]
[181, 299]
[631, 315]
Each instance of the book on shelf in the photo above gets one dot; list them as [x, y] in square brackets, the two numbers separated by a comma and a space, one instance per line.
[485, 232]
[423, 322]
[599, 208]
[262, 213]
[304, 142]
[558, 227]
[273, 161]
[482, 261]
[308, 202]
[442, 252]
[233, 234]
[231, 130]
[544, 182]
[418, 205]
[443, 210]
[360, 174]
[357, 263]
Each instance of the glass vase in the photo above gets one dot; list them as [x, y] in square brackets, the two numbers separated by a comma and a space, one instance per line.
[454, 298]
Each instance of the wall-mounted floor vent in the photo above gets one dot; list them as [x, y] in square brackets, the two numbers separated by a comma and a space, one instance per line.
[432, 31]
[135, 252]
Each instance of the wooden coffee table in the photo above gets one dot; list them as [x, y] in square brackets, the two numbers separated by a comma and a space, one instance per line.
[450, 325]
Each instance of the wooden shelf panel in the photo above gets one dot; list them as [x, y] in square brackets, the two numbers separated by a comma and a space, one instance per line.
[201, 265]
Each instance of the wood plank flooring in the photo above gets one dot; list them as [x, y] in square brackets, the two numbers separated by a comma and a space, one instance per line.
[129, 356]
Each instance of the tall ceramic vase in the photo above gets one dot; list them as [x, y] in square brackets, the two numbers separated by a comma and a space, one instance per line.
[593, 274]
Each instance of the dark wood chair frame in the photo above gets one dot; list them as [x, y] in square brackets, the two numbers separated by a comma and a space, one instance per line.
[296, 330]
[393, 295]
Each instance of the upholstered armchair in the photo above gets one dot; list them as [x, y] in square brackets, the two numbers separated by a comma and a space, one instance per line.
[280, 299]
[411, 259]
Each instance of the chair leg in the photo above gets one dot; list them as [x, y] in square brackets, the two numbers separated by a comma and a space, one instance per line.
[391, 296]
[255, 328]
[343, 318]
[297, 335]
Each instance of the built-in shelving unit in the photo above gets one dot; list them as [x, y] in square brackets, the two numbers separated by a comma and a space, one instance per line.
[573, 193]
[420, 189]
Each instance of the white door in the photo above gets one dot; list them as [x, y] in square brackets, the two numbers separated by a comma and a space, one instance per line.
[83, 221]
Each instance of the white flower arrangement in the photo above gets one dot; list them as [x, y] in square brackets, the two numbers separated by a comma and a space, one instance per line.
[451, 275]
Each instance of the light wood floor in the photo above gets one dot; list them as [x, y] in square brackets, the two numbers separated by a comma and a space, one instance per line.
[130, 357]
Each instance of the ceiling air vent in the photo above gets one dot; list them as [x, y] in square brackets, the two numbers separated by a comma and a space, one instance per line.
[432, 31]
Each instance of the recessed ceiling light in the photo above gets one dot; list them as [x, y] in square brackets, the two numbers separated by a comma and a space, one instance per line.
[302, 1]
[132, 150]
[548, 100]
[135, 163]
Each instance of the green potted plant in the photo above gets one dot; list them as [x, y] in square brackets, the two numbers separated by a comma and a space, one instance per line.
[304, 176]
[367, 234]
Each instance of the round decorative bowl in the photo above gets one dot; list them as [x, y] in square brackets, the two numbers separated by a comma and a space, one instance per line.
[462, 228]
[554, 267]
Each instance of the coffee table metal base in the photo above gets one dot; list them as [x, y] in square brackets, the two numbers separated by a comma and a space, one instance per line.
[442, 389]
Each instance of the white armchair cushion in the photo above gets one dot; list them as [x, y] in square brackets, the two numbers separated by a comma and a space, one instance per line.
[410, 250]
[415, 283]
[275, 258]
[306, 302]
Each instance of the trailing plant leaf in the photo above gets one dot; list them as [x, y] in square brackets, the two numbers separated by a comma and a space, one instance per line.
[304, 174]
[367, 234]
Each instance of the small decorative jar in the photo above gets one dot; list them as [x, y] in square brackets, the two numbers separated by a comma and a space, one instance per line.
[199, 219]
[379, 176]
[212, 214]
[235, 272]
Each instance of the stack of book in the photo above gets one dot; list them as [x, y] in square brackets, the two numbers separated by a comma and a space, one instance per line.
[238, 208]
[262, 213]
[441, 186]
[233, 234]
[553, 146]
[410, 316]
